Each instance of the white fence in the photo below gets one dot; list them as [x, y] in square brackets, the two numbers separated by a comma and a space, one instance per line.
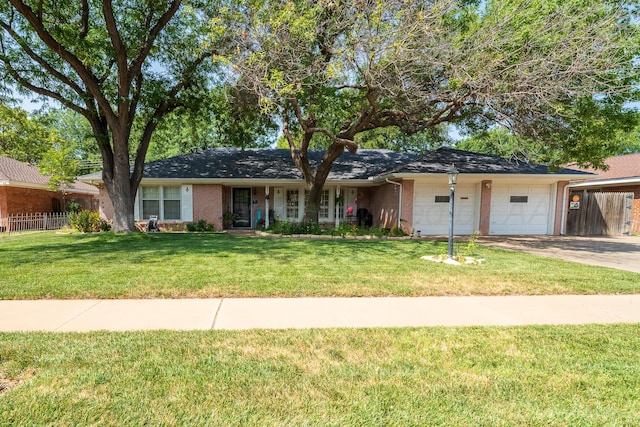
[33, 221]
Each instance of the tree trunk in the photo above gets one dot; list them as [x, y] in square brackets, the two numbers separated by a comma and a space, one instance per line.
[312, 207]
[122, 200]
[117, 179]
[316, 181]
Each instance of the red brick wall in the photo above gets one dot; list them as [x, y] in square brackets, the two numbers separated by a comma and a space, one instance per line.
[106, 207]
[29, 200]
[407, 205]
[384, 206]
[485, 208]
[3, 200]
[207, 204]
[561, 208]
[635, 217]
[19, 200]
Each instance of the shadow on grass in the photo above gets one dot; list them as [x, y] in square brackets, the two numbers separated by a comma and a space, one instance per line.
[141, 247]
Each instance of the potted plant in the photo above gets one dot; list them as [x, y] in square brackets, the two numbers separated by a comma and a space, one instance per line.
[228, 219]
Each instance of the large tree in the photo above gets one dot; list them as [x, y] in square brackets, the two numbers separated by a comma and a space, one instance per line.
[334, 69]
[115, 62]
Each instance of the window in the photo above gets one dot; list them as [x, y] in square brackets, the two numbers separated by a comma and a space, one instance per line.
[292, 204]
[163, 202]
[171, 201]
[150, 202]
[442, 199]
[519, 199]
[323, 213]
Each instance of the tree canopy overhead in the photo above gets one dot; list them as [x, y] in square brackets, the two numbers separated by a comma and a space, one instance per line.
[114, 62]
[335, 69]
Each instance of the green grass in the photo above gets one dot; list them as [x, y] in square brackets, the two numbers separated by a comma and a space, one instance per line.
[49, 265]
[529, 376]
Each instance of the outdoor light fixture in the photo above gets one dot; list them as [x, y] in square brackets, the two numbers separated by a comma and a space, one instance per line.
[452, 176]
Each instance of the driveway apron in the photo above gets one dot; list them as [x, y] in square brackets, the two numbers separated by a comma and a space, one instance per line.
[621, 252]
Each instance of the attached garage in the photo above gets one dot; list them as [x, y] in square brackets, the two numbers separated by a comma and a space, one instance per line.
[431, 209]
[520, 209]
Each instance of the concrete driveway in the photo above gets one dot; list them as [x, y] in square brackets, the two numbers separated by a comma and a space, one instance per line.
[621, 252]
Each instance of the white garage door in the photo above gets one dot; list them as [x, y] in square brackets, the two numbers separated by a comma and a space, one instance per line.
[520, 209]
[431, 209]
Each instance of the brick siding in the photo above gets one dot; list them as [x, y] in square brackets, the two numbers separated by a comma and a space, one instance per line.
[19, 200]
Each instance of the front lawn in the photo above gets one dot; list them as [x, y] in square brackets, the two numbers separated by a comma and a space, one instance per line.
[527, 376]
[50, 265]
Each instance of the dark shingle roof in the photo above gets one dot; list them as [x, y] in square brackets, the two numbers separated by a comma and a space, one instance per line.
[273, 164]
[438, 161]
[229, 163]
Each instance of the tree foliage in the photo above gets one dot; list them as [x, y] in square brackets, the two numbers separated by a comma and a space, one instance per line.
[30, 139]
[116, 63]
[224, 118]
[77, 135]
[21, 137]
[333, 70]
[597, 131]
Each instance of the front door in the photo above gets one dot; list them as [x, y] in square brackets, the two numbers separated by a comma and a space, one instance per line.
[242, 207]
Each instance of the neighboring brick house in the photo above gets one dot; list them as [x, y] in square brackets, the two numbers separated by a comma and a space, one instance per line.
[622, 176]
[23, 190]
[372, 187]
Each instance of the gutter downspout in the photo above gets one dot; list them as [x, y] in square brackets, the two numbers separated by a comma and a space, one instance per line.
[399, 184]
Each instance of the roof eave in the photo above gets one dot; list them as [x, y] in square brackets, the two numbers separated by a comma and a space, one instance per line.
[249, 181]
[607, 182]
[483, 176]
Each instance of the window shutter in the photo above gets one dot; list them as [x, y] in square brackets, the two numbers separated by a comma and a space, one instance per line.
[278, 202]
[187, 203]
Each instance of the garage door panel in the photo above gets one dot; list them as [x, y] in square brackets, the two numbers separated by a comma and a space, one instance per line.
[431, 217]
[526, 213]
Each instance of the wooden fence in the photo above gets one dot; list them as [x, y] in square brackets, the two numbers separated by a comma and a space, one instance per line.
[599, 214]
[33, 222]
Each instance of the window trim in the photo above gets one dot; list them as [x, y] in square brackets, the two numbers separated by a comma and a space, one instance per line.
[161, 201]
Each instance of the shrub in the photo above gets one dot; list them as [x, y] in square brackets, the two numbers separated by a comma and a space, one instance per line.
[88, 222]
[73, 208]
[287, 228]
[200, 226]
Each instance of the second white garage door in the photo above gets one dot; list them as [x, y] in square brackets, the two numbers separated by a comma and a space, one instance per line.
[431, 209]
[520, 209]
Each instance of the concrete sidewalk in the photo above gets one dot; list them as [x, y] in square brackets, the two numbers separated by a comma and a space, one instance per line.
[277, 313]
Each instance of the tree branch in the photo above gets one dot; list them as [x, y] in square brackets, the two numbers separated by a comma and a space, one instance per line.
[38, 59]
[124, 81]
[136, 65]
[84, 21]
[90, 81]
[40, 90]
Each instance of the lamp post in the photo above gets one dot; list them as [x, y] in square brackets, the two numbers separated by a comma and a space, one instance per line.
[452, 176]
